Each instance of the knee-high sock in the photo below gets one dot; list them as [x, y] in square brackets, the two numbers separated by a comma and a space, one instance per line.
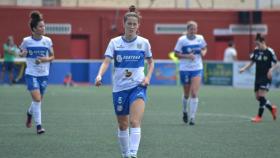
[123, 137]
[268, 105]
[184, 103]
[193, 107]
[29, 111]
[135, 136]
[36, 112]
[262, 101]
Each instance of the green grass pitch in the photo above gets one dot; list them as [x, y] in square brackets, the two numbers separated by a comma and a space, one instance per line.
[80, 123]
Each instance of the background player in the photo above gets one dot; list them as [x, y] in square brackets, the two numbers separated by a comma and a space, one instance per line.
[266, 61]
[38, 50]
[189, 49]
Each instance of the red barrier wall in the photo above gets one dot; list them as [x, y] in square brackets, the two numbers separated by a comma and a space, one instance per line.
[98, 26]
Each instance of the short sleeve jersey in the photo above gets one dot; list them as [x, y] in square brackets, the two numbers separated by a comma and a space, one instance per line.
[129, 58]
[185, 46]
[263, 60]
[35, 49]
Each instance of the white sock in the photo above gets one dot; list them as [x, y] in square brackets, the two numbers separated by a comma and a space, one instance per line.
[134, 141]
[29, 111]
[123, 137]
[184, 104]
[193, 107]
[36, 112]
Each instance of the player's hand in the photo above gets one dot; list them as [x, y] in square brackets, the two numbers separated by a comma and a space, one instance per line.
[241, 70]
[191, 56]
[38, 61]
[23, 53]
[146, 82]
[98, 80]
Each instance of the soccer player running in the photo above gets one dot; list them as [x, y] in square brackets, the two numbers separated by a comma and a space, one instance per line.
[266, 61]
[38, 50]
[129, 81]
[190, 48]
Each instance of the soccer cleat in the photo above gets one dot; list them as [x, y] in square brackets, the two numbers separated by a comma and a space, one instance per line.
[40, 130]
[274, 112]
[28, 122]
[133, 156]
[192, 122]
[185, 117]
[256, 119]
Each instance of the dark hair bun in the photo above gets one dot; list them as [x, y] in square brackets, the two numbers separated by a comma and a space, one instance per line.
[259, 37]
[132, 8]
[36, 15]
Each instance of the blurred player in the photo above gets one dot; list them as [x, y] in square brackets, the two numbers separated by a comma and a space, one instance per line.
[38, 50]
[10, 53]
[266, 61]
[190, 48]
[129, 82]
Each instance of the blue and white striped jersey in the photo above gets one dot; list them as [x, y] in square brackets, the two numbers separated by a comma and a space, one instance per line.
[185, 46]
[36, 49]
[129, 58]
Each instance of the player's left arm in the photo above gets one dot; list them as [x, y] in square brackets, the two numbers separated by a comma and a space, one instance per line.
[147, 79]
[274, 65]
[203, 51]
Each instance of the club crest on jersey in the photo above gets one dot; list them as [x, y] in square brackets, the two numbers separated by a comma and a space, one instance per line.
[189, 50]
[119, 58]
[139, 45]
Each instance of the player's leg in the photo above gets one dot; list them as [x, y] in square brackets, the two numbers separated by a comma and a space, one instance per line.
[123, 135]
[195, 85]
[2, 76]
[185, 102]
[11, 72]
[137, 108]
[260, 96]
[184, 78]
[34, 110]
[121, 108]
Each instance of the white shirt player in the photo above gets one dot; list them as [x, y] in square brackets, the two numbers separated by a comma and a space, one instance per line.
[36, 48]
[129, 59]
[185, 46]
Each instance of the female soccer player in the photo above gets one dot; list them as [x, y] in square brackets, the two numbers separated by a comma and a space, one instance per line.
[189, 49]
[266, 61]
[38, 50]
[129, 81]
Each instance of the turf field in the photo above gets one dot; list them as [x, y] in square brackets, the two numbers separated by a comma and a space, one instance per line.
[80, 123]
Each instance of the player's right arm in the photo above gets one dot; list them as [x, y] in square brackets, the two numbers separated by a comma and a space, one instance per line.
[23, 50]
[22, 53]
[247, 66]
[104, 66]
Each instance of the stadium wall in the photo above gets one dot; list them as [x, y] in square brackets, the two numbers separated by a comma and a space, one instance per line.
[92, 28]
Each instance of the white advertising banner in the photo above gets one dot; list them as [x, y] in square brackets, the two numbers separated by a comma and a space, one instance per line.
[245, 79]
